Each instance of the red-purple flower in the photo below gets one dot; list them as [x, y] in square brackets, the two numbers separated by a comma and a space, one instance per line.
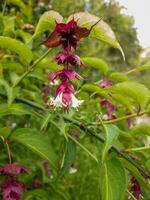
[105, 83]
[110, 108]
[135, 188]
[66, 35]
[65, 97]
[12, 189]
[64, 75]
[68, 59]
[13, 169]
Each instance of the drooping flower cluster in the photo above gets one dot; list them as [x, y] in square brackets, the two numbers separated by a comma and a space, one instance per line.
[66, 35]
[12, 188]
[106, 102]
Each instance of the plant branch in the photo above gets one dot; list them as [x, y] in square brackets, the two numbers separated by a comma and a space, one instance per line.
[137, 149]
[131, 71]
[4, 7]
[113, 148]
[121, 118]
[90, 132]
[7, 148]
[31, 68]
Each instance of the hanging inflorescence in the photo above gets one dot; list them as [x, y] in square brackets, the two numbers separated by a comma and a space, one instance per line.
[66, 35]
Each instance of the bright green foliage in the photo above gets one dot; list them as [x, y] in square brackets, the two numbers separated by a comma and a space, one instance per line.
[90, 156]
[113, 180]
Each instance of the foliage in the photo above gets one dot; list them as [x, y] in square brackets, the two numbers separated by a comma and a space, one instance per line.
[89, 153]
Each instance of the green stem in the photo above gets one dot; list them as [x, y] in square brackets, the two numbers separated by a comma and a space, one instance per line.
[31, 68]
[131, 71]
[7, 148]
[121, 118]
[4, 7]
[137, 149]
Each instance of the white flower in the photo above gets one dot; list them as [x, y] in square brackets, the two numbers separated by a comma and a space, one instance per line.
[75, 102]
[57, 102]
[72, 170]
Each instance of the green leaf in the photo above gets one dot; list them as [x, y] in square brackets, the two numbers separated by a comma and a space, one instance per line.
[18, 3]
[5, 131]
[36, 194]
[94, 88]
[9, 25]
[100, 31]
[47, 22]
[84, 148]
[119, 99]
[69, 157]
[141, 129]
[14, 109]
[11, 92]
[112, 133]
[25, 54]
[96, 63]
[135, 172]
[1, 71]
[112, 180]
[13, 66]
[49, 64]
[118, 77]
[1, 25]
[45, 121]
[24, 35]
[139, 93]
[36, 142]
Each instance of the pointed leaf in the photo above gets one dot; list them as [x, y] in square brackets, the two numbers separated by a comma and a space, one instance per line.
[47, 22]
[139, 93]
[45, 121]
[100, 31]
[112, 180]
[25, 54]
[96, 63]
[93, 88]
[141, 129]
[15, 109]
[70, 155]
[118, 77]
[36, 142]
[112, 133]
[18, 3]
[135, 172]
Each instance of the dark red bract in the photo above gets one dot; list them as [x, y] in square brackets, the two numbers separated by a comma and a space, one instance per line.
[12, 189]
[13, 169]
[64, 75]
[66, 35]
[68, 59]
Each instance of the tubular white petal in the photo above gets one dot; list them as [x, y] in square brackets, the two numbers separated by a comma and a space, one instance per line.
[57, 102]
[75, 102]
